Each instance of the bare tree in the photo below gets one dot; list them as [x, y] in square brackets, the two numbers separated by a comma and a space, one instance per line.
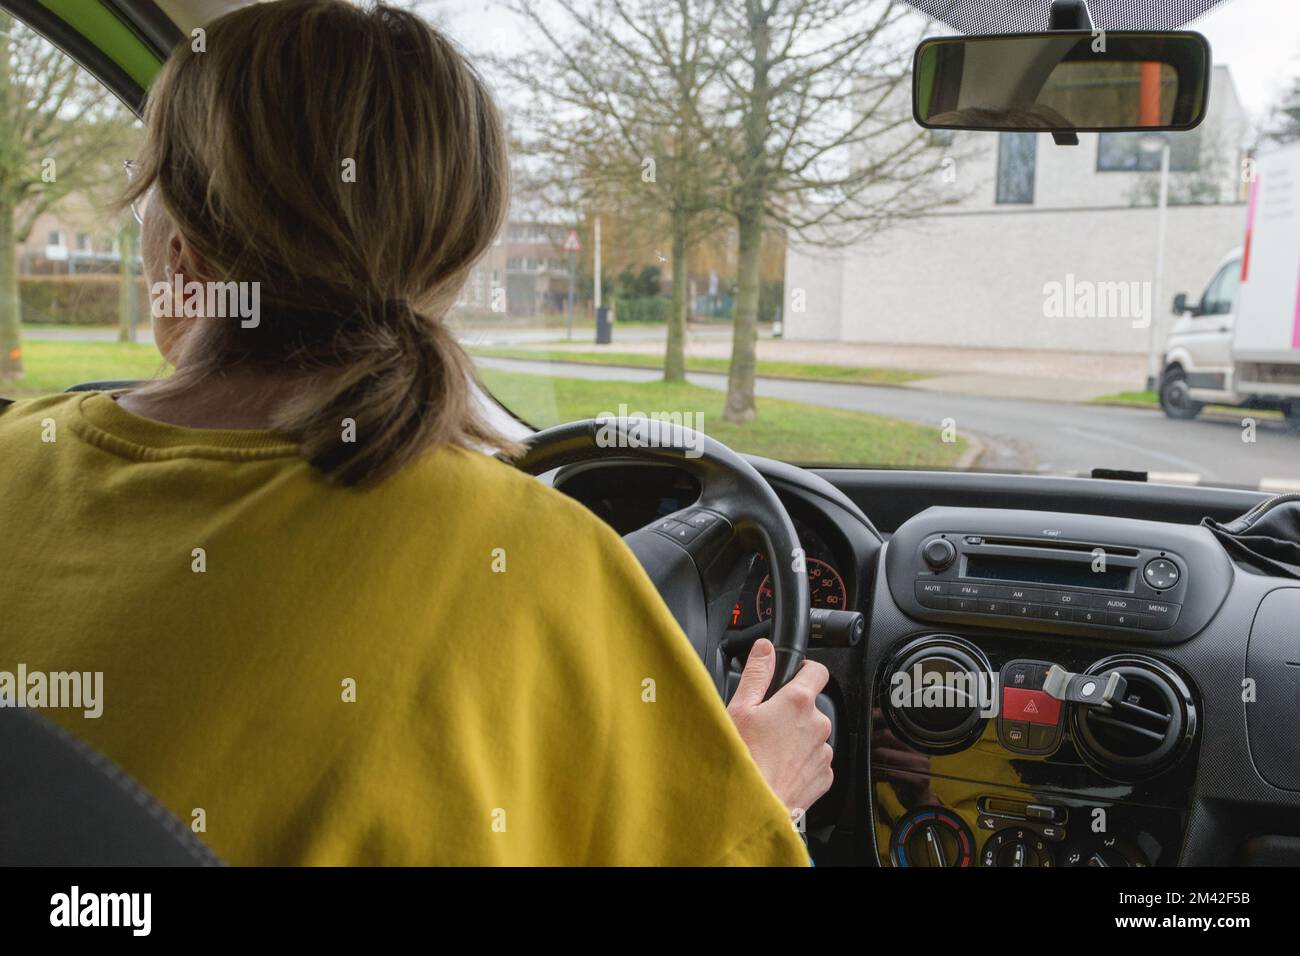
[59, 133]
[1284, 120]
[619, 90]
[821, 140]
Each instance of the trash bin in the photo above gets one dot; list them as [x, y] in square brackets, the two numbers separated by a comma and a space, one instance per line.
[604, 329]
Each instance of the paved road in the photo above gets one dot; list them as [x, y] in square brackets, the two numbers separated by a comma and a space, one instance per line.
[1057, 438]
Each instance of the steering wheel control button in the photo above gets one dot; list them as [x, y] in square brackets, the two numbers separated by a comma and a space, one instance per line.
[667, 526]
[931, 837]
[938, 553]
[701, 519]
[1161, 574]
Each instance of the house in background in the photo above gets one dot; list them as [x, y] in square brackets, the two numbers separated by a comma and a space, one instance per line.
[528, 263]
[974, 273]
[69, 240]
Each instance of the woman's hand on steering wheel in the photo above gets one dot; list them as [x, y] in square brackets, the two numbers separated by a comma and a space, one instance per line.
[786, 735]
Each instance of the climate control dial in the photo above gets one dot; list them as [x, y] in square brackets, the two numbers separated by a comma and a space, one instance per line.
[1016, 846]
[932, 836]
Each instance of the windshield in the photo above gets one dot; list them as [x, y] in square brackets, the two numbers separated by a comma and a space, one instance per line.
[724, 215]
[896, 297]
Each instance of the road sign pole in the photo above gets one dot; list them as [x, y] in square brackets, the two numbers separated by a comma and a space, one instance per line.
[573, 267]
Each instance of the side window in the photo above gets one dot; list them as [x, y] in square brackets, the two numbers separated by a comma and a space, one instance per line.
[70, 282]
[1017, 165]
[1221, 294]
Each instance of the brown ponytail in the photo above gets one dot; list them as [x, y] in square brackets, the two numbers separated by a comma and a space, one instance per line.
[352, 164]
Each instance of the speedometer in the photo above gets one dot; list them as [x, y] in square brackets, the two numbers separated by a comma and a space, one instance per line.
[825, 589]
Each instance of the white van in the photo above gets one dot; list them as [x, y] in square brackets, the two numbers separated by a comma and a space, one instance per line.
[1240, 343]
[1197, 365]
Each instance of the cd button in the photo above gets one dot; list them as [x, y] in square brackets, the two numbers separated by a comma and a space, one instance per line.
[1070, 598]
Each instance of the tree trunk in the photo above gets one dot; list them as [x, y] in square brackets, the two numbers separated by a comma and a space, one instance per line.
[126, 300]
[11, 346]
[744, 341]
[675, 351]
[749, 223]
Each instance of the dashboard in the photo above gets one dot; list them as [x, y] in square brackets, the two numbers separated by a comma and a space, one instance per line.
[1082, 681]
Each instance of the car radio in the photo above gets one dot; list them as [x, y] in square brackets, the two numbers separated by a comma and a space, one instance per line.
[1052, 580]
[1065, 576]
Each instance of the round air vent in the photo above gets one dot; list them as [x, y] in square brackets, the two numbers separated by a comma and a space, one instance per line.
[935, 691]
[1147, 731]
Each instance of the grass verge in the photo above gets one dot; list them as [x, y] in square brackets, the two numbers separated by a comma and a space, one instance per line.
[801, 371]
[791, 431]
[51, 366]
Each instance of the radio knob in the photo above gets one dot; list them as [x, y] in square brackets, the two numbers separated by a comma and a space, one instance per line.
[938, 553]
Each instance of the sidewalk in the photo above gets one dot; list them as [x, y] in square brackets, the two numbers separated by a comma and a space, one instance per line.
[1010, 373]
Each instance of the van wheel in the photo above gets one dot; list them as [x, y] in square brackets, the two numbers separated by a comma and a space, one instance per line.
[1292, 412]
[1175, 398]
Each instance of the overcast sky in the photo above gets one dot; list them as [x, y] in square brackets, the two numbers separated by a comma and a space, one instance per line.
[1259, 40]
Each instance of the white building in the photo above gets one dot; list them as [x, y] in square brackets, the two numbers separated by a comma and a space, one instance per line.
[1035, 217]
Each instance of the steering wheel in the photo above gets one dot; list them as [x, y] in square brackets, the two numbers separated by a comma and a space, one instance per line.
[692, 554]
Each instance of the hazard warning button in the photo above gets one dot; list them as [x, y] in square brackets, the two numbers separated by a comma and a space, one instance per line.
[1032, 706]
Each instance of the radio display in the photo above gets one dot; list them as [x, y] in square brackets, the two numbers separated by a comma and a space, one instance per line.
[1062, 573]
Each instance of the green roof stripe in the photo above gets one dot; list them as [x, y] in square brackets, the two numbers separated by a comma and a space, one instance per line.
[106, 32]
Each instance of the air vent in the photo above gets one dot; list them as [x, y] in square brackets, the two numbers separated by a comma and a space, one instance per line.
[1145, 733]
[937, 691]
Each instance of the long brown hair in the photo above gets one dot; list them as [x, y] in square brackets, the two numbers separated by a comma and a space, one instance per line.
[352, 163]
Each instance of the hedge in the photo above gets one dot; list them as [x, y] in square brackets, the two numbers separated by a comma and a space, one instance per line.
[77, 299]
[642, 310]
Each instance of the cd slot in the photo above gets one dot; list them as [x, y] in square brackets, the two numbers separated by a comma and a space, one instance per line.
[1075, 547]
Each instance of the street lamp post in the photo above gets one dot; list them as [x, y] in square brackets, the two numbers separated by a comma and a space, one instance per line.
[1151, 142]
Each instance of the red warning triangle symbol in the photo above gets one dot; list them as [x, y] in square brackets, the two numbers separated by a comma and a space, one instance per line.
[1031, 708]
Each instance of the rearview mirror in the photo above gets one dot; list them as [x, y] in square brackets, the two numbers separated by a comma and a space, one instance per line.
[1064, 81]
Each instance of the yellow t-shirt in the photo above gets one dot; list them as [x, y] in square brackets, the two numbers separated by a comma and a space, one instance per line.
[460, 666]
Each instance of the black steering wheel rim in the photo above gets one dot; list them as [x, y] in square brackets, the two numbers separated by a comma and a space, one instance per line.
[730, 486]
